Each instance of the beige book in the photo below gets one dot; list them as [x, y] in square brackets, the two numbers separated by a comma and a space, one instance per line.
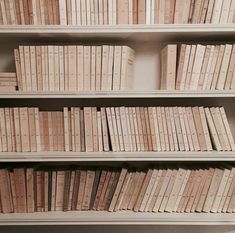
[140, 130]
[27, 69]
[216, 11]
[230, 71]
[226, 191]
[18, 69]
[61, 68]
[205, 64]
[12, 130]
[221, 189]
[215, 183]
[207, 73]
[63, 12]
[105, 67]
[178, 17]
[98, 67]
[66, 130]
[99, 126]
[156, 128]
[115, 128]
[168, 191]
[56, 69]
[46, 61]
[105, 11]
[168, 67]
[231, 207]
[8, 129]
[3, 10]
[160, 126]
[45, 189]
[104, 130]
[224, 67]
[149, 189]
[30, 190]
[88, 129]
[186, 11]
[82, 183]
[110, 129]
[73, 12]
[39, 68]
[204, 11]
[144, 129]
[71, 189]
[51, 130]
[77, 129]
[187, 128]
[152, 197]
[148, 131]
[227, 128]
[197, 66]
[190, 67]
[51, 68]
[127, 64]
[95, 129]
[231, 14]
[152, 129]
[13, 191]
[197, 11]
[117, 67]
[161, 11]
[205, 128]
[209, 11]
[110, 12]
[80, 68]
[72, 129]
[212, 130]
[78, 13]
[178, 129]
[129, 129]
[173, 127]
[199, 128]
[110, 69]
[165, 131]
[59, 190]
[162, 190]
[118, 189]
[136, 131]
[119, 128]
[88, 13]
[143, 190]
[220, 129]
[183, 128]
[122, 12]
[72, 68]
[101, 17]
[115, 12]
[182, 66]
[24, 129]
[93, 68]
[32, 129]
[17, 130]
[181, 191]
[126, 139]
[225, 11]
[43, 67]
[87, 68]
[83, 13]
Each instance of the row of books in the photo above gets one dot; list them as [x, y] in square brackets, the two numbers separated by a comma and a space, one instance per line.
[93, 129]
[156, 189]
[198, 67]
[99, 12]
[8, 81]
[74, 68]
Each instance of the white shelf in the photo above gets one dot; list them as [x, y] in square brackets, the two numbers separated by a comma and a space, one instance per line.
[122, 217]
[116, 94]
[115, 156]
[160, 32]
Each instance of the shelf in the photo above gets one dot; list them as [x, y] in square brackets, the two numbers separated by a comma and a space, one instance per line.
[115, 156]
[122, 217]
[115, 94]
[160, 32]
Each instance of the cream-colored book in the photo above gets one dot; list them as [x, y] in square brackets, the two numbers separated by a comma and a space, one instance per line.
[74, 12]
[77, 129]
[80, 68]
[221, 189]
[212, 130]
[72, 68]
[209, 11]
[32, 129]
[136, 131]
[123, 12]
[87, 68]
[165, 132]
[160, 126]
[152, 129]
[17, 131]
[105, 67]
[198, 5]
[168, 67]
[8, 129]
[60, 180]
[98, 67]
[119, 128]
[183, 128]
[216, 11]
[156, 128]
[78, 13]
[179, 11]
[117, 67]
[12, 130]
[129, 128]
[214, 186]
[187, 128]
[178, 129]
[231, 14]
[105, 11]
[51, 70]
[18, 69]
[39, 69]
[83, 13]
[63, 12]
[148, 131]
[104, 130]
[225, 11]
[27, 67]
[205, 128]
[144, 129]
[99, 126]
[56, 69]
[115, 128]
[66, 129]
[82, 183]
[230, 72]
[61, 68]
[24, 129]
[88, 129]
[203, 11]
[50, 131]
[126, 139]
[140, 130]
[110, 69]
[132, 127]
[173, 127]
[93, 67]
[110, 129]
[197, 66]
[100, 7]
[22, 68]
[95, 129]
[199, 128]
[224, 67]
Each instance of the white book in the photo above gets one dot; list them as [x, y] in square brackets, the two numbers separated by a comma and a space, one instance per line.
[225, 11]
[74, 12]
[231, 12]
[148, 11]
[63, 12]
[217, 11]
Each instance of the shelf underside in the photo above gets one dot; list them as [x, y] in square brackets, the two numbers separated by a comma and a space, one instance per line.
[115, 94]
[115, 156]
[117, 218]
[161, 32]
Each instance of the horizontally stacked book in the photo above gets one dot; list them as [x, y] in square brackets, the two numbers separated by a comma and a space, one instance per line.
[8, 82]
[180, 189]
[99, 12]
[198, 67]
[74, 68]
[93, 129]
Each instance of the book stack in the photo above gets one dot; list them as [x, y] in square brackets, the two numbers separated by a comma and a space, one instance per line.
[103, 12]
[8, 81]
[74, 68]
[129, 129]
[184, 189]
[198, 67]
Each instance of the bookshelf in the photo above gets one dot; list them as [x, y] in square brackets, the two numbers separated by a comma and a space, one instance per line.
[156, 36]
